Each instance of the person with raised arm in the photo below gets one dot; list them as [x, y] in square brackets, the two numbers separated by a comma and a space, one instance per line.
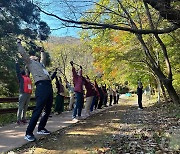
[59, 103]
[71, 94]
[97, 94]
[43, 93]
[90, 93]
[25, 90]
[78, 89]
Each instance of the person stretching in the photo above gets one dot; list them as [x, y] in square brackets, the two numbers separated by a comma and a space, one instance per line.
[43, 93]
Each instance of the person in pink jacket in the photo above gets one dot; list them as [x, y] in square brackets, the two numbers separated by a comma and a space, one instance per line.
[78, 89]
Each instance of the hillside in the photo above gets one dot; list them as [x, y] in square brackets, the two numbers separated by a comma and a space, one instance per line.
[63, 40]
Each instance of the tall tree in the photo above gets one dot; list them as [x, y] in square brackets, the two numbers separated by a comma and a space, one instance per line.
[132, 16]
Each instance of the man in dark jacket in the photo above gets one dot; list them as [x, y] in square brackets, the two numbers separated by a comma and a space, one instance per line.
[139, 93]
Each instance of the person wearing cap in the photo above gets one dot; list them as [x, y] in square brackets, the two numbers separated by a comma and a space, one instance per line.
[43, 93]
[25, 90]
[139, 93]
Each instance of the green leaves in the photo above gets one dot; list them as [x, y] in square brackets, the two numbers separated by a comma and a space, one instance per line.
[18, 18]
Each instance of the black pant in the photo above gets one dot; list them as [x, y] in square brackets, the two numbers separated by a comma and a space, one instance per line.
[59, 104]
[100, 102]
[110, 101]
[44, 100]
[140, 101]
[115, 100]
[105, 100]
[96, 102]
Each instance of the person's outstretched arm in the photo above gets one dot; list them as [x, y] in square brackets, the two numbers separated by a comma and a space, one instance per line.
[54, 74]
[73, 70]
[22, 51]
[80, 71]
[43, 57]
[18, 71]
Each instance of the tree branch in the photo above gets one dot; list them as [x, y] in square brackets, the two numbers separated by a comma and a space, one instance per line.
[165, 10]
[110, 26]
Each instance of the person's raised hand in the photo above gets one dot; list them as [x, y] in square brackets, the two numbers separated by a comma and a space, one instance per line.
[80, 67]
[18, 40]
[71, 62]
[65, 80]
[41, 49]
[16, 60]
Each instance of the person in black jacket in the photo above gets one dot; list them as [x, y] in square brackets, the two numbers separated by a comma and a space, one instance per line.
[139, 93]
[59, 103]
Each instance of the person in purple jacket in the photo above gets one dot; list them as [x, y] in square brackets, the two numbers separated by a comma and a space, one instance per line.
[90, 93]
[78, 89]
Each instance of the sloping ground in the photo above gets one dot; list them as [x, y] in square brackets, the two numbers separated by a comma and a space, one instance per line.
[121, 129]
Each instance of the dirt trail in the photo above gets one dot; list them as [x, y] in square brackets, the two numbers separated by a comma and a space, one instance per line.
[121, 129]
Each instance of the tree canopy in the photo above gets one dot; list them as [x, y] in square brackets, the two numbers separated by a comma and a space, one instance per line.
[19, 18]
[137, 17]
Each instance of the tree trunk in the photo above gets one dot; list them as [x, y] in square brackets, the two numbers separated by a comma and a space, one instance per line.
[167, 81]
[171, 91]
[159, 91]
[163, 92]
[154, 66]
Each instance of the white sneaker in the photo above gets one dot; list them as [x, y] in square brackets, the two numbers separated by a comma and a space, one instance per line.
[75, 119]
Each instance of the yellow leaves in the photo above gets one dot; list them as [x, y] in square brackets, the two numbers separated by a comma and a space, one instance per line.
[115, 39]
[102, 50]
[114, 72]
[97, 49]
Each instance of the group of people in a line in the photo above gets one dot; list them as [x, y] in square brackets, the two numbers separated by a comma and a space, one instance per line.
[96, 96]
